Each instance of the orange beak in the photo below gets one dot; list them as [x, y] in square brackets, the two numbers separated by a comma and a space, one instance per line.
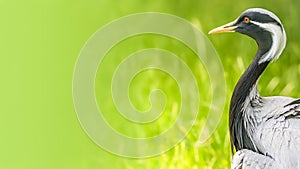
[225, 28]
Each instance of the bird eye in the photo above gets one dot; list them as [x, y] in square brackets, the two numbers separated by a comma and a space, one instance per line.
[246, 20]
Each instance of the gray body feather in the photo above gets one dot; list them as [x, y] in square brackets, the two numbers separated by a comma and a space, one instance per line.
[264, 131]
[273, 124]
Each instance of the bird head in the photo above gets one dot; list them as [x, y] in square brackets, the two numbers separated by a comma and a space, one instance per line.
[263, 26]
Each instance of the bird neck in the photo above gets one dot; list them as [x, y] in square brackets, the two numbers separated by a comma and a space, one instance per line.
[244, 92]
[248, 81]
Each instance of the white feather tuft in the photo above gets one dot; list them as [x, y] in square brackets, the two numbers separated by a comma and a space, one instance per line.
[278, 41]
[277, 32]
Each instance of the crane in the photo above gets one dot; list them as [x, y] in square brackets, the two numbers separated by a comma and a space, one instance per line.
[264, 131]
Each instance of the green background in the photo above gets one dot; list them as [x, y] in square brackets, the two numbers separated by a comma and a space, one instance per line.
[40, 42]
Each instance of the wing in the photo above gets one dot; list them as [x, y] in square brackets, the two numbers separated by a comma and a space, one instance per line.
[279, 133]
[247, 159]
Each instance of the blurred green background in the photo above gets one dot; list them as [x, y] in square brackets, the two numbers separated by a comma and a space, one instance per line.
[40, 42]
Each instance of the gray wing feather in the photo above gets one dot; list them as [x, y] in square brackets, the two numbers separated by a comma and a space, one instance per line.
[247, 159]
[275, 129]
[279, 133]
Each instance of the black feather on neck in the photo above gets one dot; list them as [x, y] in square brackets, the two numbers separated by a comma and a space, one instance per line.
[238, 132]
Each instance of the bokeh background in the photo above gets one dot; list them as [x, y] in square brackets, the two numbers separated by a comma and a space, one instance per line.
[41, 40]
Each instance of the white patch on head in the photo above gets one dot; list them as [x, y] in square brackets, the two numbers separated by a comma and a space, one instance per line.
[277, 32]
[278, 38]
[264, 11]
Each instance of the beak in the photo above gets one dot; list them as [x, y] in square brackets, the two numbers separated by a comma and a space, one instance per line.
[230, 27]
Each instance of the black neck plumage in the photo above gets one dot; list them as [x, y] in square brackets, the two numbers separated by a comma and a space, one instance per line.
[246, 84]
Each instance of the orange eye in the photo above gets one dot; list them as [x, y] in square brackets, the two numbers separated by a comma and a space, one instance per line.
[246, 20]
